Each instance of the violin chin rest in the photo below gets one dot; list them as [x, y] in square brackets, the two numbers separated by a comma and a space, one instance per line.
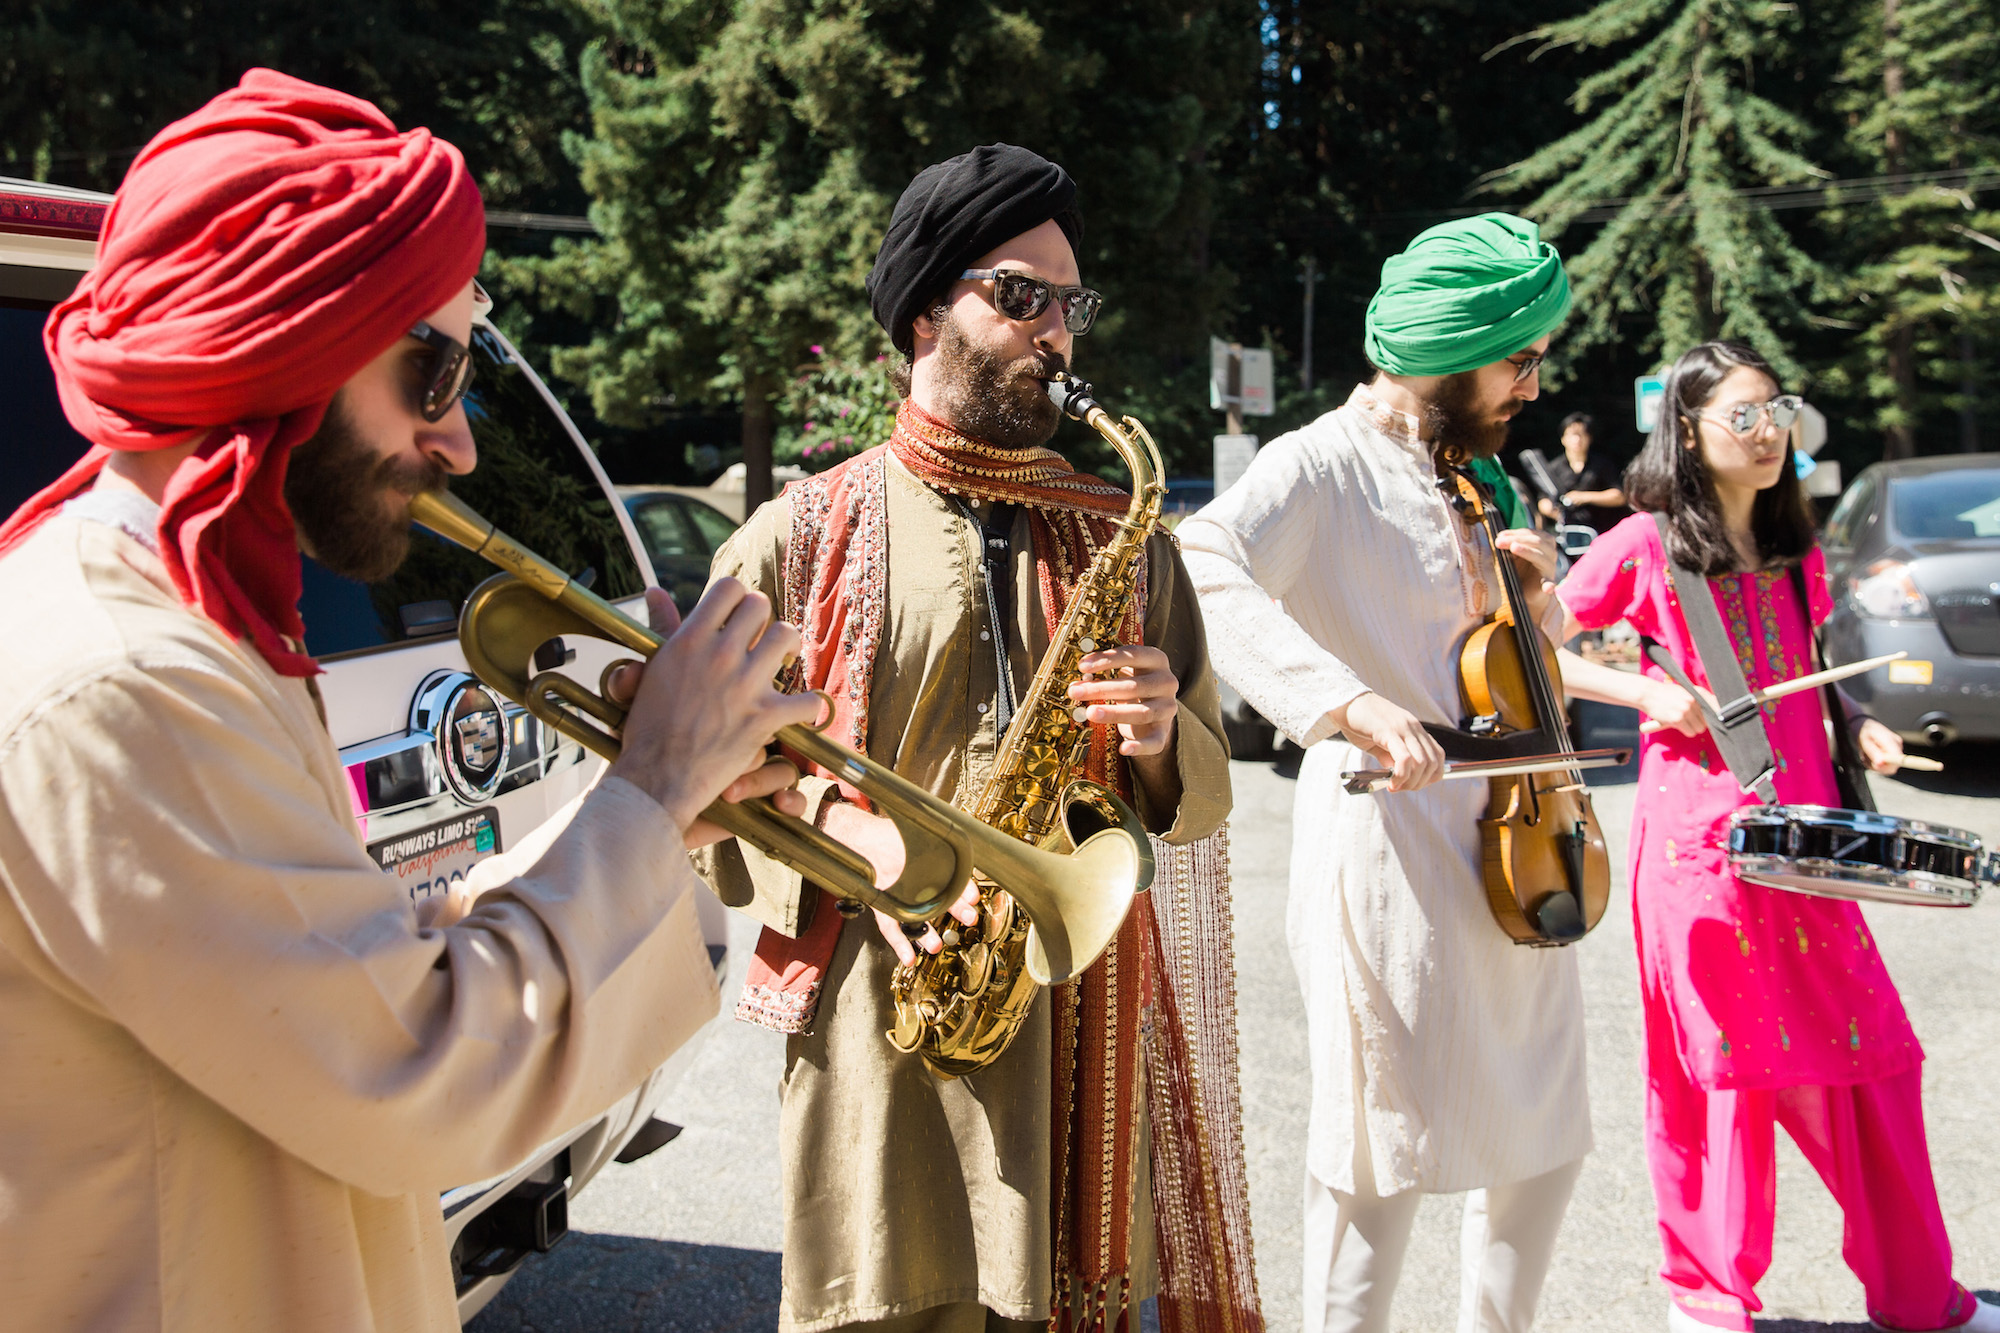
[1560, 917]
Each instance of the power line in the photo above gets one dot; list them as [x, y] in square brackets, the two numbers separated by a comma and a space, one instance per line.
[1769, 198]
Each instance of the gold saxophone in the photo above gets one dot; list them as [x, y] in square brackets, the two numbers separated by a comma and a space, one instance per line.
[960, 1007]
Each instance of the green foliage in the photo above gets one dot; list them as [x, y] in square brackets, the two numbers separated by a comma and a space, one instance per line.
[1678, 130]
[1371, 120]
[84, 83]
[739, 159]
[744, 157]
[834, 409]
[1917, 93]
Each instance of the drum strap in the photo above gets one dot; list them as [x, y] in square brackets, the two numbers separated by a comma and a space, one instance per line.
[1737, 724]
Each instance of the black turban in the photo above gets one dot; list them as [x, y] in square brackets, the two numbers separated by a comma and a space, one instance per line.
[955, 212]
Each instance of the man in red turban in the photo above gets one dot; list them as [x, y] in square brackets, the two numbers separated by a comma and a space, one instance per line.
[239, 1068]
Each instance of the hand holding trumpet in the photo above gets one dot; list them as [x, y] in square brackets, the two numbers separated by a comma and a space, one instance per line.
[703, 709]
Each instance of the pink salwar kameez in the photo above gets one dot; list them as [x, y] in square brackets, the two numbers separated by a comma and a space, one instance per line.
[1761, 1006]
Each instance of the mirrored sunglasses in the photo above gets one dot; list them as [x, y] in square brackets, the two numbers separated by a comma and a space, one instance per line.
[450, 373]
[1018, 296]
[1782, 410]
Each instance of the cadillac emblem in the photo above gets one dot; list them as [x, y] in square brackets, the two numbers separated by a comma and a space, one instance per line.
[470, 734]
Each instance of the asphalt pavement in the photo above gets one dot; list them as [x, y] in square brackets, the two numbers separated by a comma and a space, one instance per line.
[687, 1240]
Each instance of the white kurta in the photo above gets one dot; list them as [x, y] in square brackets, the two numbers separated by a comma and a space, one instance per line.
[1458, 1052]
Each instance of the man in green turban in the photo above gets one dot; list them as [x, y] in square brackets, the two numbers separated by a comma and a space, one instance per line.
[1338, 586]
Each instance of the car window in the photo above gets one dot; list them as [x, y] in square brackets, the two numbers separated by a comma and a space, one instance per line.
[531, 482]
[1939, 506]
[664, 528]
[40, 443]
[712, 525]
[1843, 525]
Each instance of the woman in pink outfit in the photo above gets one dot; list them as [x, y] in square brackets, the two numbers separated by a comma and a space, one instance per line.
[1761, 1006]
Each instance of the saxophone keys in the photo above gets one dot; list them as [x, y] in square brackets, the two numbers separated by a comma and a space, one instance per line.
[1088, 645]
[950, 937]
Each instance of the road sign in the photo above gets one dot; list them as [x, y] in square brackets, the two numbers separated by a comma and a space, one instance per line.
[1232, 459]
[1647, 391]
[1258, 400]
[1249, 389]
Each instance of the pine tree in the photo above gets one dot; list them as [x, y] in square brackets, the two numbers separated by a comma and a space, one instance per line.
[1679, 141]
[745, 155]
[85, 83]
[1374, 119]
[1923, 115]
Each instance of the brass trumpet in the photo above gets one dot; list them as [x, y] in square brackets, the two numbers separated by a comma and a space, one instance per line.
[515, 612]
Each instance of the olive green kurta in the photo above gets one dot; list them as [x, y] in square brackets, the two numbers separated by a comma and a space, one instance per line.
[903, 1192]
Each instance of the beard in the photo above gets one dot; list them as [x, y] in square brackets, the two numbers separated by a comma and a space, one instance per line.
[350, 503]
[981, 393]
[1459, 428]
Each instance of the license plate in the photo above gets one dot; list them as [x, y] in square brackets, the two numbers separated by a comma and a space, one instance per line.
[431, 859]
[1908, 672]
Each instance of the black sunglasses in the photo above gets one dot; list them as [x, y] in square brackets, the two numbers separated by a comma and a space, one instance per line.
[450, 373]
[1018, 296]
[1529, 363]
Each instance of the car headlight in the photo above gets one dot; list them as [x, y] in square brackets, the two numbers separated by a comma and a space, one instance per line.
[1885, 591]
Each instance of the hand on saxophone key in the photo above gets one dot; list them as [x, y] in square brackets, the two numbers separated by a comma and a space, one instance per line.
[905, 944]
[1136, 690]
[704, 708]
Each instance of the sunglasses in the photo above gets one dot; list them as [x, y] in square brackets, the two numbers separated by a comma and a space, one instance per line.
[1018, 296]
[450, 371]
[1743, 418]
[1526, 365]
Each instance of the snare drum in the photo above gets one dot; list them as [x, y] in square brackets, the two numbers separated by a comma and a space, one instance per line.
[1859, 855]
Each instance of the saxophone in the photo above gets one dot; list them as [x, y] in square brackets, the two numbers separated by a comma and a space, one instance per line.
[960, 1007]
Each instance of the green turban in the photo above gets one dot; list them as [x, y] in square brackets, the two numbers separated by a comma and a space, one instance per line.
[1464, 295]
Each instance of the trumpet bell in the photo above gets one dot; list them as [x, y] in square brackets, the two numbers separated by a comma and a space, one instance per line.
[1066, 937]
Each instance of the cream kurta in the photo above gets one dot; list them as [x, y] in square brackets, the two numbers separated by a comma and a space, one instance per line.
[903, 1192]
[237, 1072]
[1460, 1052]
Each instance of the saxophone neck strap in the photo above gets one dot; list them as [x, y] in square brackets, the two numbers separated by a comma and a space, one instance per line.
[1736, 722]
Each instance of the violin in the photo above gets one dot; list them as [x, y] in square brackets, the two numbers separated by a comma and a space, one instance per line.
[1546, 870]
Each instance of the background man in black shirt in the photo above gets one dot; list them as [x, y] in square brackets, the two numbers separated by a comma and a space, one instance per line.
[1588, 486]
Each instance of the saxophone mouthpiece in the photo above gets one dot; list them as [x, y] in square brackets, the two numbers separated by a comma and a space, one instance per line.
[1071, 395]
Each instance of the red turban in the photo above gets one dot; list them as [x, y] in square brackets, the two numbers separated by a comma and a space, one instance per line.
[258, 255]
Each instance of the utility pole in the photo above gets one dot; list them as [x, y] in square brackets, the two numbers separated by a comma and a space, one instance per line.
[1311, 280]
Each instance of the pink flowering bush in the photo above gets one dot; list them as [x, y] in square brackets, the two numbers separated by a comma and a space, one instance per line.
[834, 409]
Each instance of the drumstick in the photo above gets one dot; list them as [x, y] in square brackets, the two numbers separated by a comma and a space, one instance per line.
[1920, 764]
[1818, 678]
[1813, 681]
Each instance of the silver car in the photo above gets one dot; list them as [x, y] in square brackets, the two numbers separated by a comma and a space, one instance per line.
[444, 772]
[1913, 555]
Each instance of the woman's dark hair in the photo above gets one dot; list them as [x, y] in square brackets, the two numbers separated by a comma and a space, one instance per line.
[1668, 477]
[1582, 419]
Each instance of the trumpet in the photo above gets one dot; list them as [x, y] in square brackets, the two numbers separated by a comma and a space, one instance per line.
[513, 613]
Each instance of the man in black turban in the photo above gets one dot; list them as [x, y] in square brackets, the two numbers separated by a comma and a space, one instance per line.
[1001, 211]
[955, 212]
[927, 575]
